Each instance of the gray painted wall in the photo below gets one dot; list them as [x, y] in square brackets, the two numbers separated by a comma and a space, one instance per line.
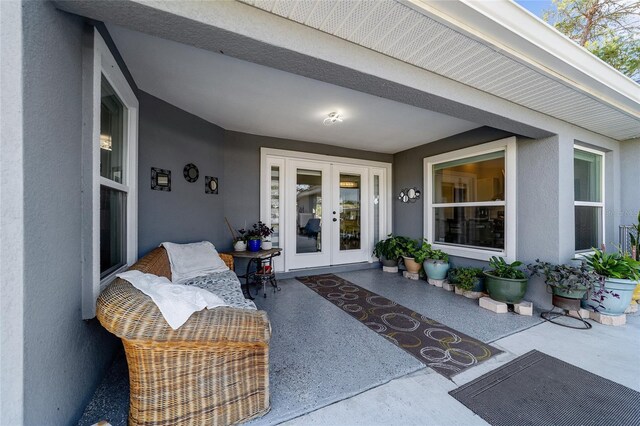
[630, 177]
[241, 185]
[170, 138]
[408, 172]
[64, 357]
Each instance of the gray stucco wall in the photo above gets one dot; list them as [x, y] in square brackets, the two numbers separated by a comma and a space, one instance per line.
[408, 172]
[64, 357]
[630, 179]
[170, 138]
[241, 185]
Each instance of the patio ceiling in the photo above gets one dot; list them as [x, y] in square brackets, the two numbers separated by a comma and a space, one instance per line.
[434, 36]
[243, 96]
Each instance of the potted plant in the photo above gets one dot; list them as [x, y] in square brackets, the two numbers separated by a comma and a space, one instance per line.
[390, 250]
[505, 282]
[436, 264]
[240, 242]
[621, 274]
[415, 252]
[257, 234]
[569, 284]
[470, 281]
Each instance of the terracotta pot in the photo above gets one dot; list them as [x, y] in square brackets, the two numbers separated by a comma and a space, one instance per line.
[412, 266]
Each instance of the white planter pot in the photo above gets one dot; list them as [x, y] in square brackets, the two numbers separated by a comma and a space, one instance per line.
[266, 245]
[240, 246]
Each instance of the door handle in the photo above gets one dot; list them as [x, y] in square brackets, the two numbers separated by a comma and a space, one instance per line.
[334, 212]
[335, 220]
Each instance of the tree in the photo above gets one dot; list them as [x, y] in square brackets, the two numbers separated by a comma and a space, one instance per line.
[610, 29]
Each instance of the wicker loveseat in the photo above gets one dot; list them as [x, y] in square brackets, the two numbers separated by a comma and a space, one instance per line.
[213, 370]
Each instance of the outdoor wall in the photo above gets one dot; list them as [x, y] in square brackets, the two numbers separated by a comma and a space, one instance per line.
[408, 172]
[64, 357]
[170, 138]
[241, 184]
[630, 181]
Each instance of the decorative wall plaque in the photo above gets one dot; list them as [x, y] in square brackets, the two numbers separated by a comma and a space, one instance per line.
[191, 172]
[210, 185]
[160, 179]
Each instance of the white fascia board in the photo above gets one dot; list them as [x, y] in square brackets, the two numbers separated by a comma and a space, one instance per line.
[518, 33]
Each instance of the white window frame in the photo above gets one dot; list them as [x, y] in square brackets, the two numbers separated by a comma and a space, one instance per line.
[600, 204]
[104, 64]
[508, 145]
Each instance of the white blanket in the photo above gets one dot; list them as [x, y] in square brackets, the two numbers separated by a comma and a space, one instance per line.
[176, 302]
[193, 260]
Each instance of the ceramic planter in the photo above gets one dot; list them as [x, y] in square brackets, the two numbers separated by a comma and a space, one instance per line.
[254, 245]
[240, 246]
[388, 262]
[412, 266]
[505, 290]
[612, 305]
[266, 245]
[436, 269]
[569, 294]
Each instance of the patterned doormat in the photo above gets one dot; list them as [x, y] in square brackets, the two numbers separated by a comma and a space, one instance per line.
[441, 348]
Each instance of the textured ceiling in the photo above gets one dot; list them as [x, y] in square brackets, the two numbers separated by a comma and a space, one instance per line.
[399, 31]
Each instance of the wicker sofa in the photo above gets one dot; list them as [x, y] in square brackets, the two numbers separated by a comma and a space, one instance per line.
[212, 370]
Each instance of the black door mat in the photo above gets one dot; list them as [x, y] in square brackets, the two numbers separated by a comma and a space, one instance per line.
[537, 389]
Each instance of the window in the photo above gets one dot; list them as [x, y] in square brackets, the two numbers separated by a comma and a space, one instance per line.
[588, 175]
[110, 171]
[470, 203]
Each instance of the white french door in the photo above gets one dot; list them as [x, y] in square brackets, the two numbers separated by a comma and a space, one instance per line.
[308, 207]
[349, 214]
[325, 210]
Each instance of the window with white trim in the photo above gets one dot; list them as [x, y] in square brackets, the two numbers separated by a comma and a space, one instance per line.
[470, 203]
[588, 178]
[112, 137]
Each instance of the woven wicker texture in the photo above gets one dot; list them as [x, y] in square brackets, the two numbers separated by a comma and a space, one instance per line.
[212, 370]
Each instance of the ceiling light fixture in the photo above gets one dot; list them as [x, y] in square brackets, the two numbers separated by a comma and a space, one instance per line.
[333, 118]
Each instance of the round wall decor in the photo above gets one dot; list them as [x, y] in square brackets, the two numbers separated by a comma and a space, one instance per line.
[191, 172]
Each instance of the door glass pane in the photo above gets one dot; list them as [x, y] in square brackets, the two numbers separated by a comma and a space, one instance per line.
[587, 172]
[112, 230]
[309, 210]
[479, 178]
[275, 205]
[588, 227]
[111, 134]
[470, 226]
[376, 209]
[350, 211]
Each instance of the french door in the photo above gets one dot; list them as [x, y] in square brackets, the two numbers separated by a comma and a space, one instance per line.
[324, 212]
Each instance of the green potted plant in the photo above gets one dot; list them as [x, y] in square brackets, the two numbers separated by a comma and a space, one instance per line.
[415, 252]
[621, 274]
[470, 281]
[505, 282]
[569, 284]
[240, 241]
[390, 250]
[436, 264]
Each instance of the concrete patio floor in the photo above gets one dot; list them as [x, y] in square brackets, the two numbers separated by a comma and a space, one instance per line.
[421, 398]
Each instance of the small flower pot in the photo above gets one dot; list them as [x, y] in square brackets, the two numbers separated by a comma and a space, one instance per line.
[266, 245]
[389, 262]
[613, 303]
[254, 245]
[240, 246]
[412, 266]
[505, 290]
[436, 269]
